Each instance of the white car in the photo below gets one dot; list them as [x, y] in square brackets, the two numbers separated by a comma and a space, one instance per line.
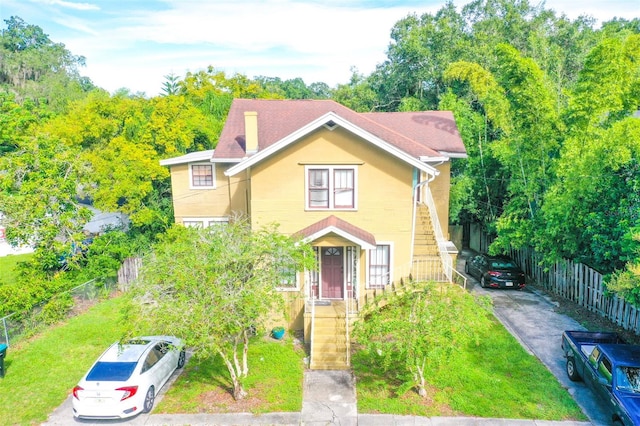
[126, 378]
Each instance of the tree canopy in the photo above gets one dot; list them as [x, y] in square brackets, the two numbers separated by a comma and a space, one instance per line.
[546, 107]
[212, 286]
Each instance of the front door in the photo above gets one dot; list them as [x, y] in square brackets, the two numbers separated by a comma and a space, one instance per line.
[332, 272]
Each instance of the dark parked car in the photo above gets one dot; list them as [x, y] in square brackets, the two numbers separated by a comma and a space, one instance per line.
[495, 271]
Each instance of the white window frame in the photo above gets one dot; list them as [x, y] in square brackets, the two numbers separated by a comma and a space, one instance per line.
[331, 189]
[391, 257]
[213, 171]
[205, 221]
[296, 287]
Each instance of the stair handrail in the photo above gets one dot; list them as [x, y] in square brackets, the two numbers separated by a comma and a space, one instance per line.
[347, 316]
[313, 320]
[447, 260]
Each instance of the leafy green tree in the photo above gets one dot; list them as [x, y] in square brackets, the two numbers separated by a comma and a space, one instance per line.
[591, 211]
[38, 181]
[211, 286]
[34, 67]
[415, 332]
[357, 94]
[171, 86]
[121, 140]
[518, 101]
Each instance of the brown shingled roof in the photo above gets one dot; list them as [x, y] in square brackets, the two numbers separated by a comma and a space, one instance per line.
[333, 222]
[427, 133]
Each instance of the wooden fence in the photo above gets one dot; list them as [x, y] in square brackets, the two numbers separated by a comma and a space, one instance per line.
[128, 272]
[580, 284]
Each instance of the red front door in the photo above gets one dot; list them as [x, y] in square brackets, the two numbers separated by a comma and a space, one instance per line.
[332, 273]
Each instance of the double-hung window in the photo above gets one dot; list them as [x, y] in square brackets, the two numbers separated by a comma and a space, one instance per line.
[202, 176]
[380, 266]
[331, 187]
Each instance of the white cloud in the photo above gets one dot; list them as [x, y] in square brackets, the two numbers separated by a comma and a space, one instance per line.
[69, 4]
[135, 44]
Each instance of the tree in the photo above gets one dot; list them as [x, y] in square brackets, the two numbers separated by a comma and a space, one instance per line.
[518, 101]
[413, 333]
[210, 286]
[121, 140]
[591, 210]
[357, 94]
[38, 179]
[33, 67]
[171, 86]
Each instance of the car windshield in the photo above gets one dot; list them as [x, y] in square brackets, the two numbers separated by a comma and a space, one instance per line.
[628, 379]
[503, 264]
[111, 371]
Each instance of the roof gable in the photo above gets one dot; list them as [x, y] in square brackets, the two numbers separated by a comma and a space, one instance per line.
[420, 135]
[330, 119]
[333, 224]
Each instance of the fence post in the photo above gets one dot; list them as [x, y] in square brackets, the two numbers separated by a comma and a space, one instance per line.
[6, 332]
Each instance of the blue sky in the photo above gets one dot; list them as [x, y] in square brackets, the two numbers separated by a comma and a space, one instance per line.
[135, 43]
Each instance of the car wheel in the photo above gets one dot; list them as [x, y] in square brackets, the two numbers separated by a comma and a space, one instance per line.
[466, 268]
[181, 359]
[571, 370]
[483, 283]
[149, 399]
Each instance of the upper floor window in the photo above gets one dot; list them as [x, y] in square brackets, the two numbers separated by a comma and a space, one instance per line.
[331, 187]
[202, 176]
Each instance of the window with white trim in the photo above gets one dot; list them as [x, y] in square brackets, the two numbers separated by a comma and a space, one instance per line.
[288, 279]
[204, 221]
[202, 176]
[380, 266]
[331, 187]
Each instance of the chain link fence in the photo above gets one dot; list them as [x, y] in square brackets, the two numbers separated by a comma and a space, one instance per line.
[21, 325]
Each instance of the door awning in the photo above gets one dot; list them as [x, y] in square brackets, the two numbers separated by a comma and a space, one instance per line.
[333, 224]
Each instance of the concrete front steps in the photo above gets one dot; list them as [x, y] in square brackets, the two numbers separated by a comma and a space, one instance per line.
[329, 337]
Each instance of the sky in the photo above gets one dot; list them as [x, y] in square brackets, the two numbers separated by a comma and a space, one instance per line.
[135, 44]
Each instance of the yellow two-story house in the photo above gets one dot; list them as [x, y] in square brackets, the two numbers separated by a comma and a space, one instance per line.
[369, 191]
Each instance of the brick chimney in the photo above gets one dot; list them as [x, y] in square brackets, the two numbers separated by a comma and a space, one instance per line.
[251, 131]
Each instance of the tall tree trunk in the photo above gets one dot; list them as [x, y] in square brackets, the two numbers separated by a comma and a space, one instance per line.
[245, 351]
[422, 389]
[238, 391]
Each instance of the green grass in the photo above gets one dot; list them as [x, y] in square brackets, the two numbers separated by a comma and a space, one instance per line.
[496, 379]
[40, 373]
[8, 266]
[274, 383]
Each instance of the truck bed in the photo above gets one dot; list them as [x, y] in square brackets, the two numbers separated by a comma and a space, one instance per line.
[594, 337]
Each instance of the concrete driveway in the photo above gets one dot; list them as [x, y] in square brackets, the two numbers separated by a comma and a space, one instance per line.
[531, 318]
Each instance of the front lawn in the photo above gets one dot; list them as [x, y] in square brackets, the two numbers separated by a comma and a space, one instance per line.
[8, 266]
[41, 372]
[274, 383]
[496, 379]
